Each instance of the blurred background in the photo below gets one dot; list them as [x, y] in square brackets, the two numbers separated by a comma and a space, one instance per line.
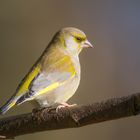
[111, 69]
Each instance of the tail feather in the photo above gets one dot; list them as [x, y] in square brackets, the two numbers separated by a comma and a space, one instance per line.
[24, 98]
[15, 101]
[7, 106]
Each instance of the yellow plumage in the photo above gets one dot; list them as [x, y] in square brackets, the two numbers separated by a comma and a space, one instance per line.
[24, 86]
[56, 75]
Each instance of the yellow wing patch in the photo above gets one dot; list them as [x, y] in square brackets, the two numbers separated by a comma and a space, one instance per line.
[54, 62]
[26, 82]
[49, 88]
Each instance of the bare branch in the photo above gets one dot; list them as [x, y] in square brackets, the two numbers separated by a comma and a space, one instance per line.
[77, 116]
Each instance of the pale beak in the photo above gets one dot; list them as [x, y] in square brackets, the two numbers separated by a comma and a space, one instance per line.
[87, 44]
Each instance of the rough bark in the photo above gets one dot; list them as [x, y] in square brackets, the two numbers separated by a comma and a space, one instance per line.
[77, 116]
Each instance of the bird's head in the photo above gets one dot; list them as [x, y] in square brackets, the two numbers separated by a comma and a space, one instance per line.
[73, 39]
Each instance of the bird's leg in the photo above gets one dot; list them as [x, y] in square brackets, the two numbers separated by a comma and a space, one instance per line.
[63, 105]
[49, 109]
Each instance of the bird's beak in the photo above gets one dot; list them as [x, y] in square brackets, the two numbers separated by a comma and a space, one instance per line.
[87, 44]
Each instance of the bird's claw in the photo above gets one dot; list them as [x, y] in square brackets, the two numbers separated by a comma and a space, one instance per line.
[63, 105]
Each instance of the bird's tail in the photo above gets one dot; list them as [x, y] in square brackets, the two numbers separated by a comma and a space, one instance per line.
[10, 103]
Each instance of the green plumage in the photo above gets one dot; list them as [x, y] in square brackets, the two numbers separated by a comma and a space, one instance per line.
[56, 75]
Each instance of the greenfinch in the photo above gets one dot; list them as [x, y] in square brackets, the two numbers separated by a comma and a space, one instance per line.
[55, 77]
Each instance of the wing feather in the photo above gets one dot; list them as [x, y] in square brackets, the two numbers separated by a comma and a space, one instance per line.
[54, 72]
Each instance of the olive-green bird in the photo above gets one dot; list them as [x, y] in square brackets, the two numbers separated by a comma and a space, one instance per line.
[55, 77]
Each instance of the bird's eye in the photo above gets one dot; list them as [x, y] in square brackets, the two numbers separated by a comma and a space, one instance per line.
[78, 39]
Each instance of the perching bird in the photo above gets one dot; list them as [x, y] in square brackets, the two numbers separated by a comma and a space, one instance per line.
[55, 77]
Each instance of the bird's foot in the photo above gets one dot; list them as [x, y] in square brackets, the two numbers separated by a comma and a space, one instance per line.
[63, 105]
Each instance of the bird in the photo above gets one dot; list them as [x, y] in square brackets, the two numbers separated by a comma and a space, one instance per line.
[55, 76]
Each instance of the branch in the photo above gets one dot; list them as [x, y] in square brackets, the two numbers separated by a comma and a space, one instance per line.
[72, 117]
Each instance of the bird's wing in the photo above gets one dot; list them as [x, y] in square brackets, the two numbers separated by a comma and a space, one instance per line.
[47, 82]
[54, 72]
[21, 90]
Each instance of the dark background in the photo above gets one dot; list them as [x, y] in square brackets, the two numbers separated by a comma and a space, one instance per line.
[111, 69]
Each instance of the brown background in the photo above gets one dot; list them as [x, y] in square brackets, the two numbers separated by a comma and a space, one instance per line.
[111, 69]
